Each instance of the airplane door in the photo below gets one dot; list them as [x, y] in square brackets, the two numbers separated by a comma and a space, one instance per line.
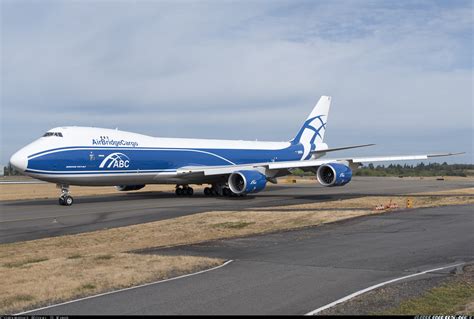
[92, 160]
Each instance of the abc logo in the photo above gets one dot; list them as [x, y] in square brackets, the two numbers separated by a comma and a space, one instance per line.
[115, 160]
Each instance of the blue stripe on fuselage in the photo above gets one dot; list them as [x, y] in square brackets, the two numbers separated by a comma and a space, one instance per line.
[88, 159]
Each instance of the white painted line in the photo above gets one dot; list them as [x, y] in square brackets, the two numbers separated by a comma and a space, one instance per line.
[360, 292]
[15, 182]
[125, 289]
[49, 217]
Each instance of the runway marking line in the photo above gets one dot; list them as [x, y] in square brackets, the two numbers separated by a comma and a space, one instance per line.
[60, 216]
[45, 217]
[360, 292]
[125, 289]
[13, 182]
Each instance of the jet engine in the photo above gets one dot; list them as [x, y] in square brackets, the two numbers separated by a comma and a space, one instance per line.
[334, 174]
[246, 182]
[126, 188]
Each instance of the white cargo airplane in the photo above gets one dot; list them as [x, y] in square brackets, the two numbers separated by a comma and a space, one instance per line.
[104, 157]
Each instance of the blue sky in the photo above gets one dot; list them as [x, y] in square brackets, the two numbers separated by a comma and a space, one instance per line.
[400, 72]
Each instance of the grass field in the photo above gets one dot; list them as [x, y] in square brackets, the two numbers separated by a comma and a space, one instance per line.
[453, 297]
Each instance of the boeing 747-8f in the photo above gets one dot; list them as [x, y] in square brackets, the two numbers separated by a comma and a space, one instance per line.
[100, 157]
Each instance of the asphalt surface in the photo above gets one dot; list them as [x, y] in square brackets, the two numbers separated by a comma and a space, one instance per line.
[296, 272]
[33, 219]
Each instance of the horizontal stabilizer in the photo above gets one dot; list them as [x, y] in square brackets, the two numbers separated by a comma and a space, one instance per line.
[340, 148]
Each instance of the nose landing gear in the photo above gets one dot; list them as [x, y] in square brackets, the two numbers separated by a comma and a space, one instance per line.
[65, 199]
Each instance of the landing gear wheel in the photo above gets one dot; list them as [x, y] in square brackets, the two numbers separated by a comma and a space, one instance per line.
[207, 191]
[66, 200]
[226, 191]
[184, 190]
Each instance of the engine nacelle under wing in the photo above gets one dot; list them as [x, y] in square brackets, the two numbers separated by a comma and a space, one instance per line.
[246, 182]
[334, 174]
[126, 188]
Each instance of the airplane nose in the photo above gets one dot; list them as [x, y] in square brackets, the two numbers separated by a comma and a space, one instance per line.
[19, 160]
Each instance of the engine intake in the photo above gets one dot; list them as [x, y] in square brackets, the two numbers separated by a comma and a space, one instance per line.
[334, 174]
[246, 182]
[126, 188]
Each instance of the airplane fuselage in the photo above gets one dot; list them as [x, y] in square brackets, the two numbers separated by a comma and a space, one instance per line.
[96, 156]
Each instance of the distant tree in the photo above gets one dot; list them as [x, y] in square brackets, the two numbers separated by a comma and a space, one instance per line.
[9, 170]
[421, 169]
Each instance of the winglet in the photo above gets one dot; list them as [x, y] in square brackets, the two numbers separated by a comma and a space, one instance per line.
[445, 154]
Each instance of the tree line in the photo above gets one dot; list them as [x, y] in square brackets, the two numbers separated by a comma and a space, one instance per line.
[421, 169]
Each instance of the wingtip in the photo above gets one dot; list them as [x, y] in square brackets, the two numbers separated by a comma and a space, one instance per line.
[446, 154]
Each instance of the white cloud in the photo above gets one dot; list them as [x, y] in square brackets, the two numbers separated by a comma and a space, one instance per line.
[196, 68]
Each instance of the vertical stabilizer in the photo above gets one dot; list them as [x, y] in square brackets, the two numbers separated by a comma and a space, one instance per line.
[313, 129]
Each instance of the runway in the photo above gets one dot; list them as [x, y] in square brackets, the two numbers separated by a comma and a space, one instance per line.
[33, 219]
[296, 272]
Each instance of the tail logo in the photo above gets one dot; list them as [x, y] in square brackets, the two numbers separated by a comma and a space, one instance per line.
[115, 160]
[308, 125]
[308, 134]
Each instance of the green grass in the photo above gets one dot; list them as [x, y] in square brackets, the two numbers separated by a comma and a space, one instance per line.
[233, 225]
[75, 256]
[443, 300]
[87, 286]
[104, 257]
[24, 262]
[16, 298]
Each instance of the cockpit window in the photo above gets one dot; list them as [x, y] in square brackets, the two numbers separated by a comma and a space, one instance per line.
[53, 134]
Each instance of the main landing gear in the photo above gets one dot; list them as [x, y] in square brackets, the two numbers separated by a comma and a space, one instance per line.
[65, 199]
[219, 190]
[215, 190]
[184, 190]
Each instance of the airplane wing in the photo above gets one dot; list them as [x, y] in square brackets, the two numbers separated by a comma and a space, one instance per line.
[285, 165]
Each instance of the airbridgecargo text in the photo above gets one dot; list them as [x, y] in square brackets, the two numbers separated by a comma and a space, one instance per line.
[106, 141]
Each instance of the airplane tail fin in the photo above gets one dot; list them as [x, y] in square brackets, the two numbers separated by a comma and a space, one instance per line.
[313, 129]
